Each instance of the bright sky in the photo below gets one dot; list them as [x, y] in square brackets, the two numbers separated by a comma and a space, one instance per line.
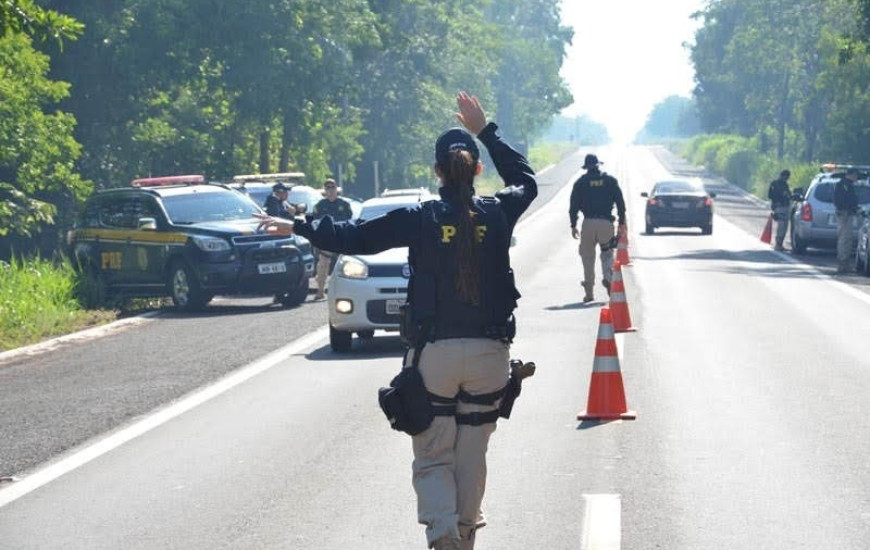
[627, 56]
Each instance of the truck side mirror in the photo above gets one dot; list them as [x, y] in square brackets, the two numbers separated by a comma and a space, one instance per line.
[148, 224]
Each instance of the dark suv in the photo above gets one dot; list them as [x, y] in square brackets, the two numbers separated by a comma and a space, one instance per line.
[179, 237]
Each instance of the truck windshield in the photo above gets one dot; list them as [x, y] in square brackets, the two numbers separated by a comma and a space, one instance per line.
[209, 207]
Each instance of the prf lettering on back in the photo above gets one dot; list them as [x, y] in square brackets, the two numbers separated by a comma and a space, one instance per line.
[449, 231]
[110, 260]
[596, 183]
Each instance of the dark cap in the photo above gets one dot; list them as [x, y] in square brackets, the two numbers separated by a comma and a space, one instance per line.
[591, 161]
[280, 187]
[784, 174]
[851, 170]
[452, 139]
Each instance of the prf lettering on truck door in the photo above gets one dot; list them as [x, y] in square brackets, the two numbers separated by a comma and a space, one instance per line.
[110, 260]
[449, 231]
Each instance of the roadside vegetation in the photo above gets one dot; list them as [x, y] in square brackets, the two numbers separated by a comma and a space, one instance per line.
[39, 299]
[780, 85]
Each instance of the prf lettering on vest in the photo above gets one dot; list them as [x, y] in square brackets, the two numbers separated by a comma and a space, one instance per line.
[449, 231]
[596, 183]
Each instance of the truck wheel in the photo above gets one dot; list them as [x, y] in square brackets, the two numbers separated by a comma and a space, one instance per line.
[340, 340]
[707, 229]
[184, 287]
[297, 295]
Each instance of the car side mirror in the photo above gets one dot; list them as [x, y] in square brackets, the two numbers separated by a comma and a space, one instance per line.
[644, 194]
[148, 224]
[712, 195]
[513, 241]
[797, 194]
[301, 208]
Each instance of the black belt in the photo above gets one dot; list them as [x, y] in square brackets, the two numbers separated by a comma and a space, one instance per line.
[608, 218]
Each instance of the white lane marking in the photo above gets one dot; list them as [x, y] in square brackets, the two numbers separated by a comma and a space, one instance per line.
[87, 334]
[161, 416]
[602, 523]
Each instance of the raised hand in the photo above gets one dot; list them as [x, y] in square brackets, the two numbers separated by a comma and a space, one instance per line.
[470, 113]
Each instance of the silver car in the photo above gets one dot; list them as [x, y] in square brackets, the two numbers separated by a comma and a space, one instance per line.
[814, 220]
[366, 291]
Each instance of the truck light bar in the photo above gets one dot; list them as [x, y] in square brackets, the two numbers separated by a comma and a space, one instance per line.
[167, 180]
[285, 176]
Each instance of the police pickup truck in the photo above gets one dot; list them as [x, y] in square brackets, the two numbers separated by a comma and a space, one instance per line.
[178, 236]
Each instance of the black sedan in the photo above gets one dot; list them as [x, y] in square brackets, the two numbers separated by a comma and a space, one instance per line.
[679, 203]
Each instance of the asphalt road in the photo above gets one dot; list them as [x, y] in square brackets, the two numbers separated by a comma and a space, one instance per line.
[748, 374]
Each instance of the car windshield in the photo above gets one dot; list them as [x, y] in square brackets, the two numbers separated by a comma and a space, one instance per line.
[307, 196]
[824, 192]
[666, 187]
[372, 211]
[207, 207]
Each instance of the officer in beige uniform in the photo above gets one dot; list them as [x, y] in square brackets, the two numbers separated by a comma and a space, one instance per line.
[595, 193]
[339, 209]
[461, 298]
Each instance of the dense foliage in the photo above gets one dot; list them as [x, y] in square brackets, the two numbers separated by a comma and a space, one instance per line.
[673, 117]
[328, 87]
[792, 73]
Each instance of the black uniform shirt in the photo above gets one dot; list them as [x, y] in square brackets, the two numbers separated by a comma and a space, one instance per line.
[275, 207]
[594, 194]
[339, 209]
[779, 194]
[401, 227]
[845, 198]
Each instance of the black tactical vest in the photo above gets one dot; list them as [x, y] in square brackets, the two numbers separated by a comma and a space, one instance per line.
[432, 293]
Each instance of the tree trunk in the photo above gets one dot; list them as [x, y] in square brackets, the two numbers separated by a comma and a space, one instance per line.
[264, 152]
[781, 123]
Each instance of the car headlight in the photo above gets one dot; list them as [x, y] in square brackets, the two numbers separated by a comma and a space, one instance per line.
[210, 244]
[352, 268]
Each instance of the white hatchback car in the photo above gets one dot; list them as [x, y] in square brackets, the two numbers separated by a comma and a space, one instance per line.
[366, 291]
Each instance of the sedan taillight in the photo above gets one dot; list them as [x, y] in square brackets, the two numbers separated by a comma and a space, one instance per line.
[807, 212]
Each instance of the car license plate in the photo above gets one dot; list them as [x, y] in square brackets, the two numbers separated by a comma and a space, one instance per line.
[679, 204]
[393, 306]
[276, 267]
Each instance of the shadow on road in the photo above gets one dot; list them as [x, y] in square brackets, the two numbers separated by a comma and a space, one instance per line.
[577, 305]
[363, 348]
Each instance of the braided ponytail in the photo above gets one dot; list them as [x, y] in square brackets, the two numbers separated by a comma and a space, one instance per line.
[460, 175]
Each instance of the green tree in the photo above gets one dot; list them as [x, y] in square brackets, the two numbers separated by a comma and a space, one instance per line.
[673, 117]
[37, 149]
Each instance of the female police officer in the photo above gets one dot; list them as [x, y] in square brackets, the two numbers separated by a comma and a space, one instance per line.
[461, 295]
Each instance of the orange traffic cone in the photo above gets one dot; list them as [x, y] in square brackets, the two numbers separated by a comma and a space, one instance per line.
[606, 393]
[622, 250]
[618, 303]
[768, 229]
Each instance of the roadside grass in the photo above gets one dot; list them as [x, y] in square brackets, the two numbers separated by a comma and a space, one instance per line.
[40, 299]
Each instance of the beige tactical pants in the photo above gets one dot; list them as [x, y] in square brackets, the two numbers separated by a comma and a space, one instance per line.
[781, 223]
[323, 262]
[845, 242]
[449, 469]
[595, 232]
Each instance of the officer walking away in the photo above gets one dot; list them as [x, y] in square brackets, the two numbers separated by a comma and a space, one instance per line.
[780, 205]
[461, 298]
[276, 204]
[846, 203]
[595, 193]
[339, 209]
